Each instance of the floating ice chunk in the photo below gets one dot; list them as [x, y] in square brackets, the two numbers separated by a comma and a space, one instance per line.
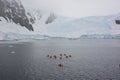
[12, 52]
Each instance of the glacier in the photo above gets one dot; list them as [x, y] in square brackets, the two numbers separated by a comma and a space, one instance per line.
[61, 27]
[48, 25]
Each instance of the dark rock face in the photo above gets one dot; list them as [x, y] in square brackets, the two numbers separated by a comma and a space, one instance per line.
[50, 19]
[14, 11]
[117, 21]
[32, 19]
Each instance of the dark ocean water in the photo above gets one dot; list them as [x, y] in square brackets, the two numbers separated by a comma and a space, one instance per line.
[91, 60]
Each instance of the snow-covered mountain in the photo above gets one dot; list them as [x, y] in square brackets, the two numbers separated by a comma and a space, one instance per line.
[13, 11]
[18, 22]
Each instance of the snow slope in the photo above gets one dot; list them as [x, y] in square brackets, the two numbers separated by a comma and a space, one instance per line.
[64, 27]
[50, 24]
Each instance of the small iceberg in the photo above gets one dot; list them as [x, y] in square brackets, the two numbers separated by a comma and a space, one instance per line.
[12, 52]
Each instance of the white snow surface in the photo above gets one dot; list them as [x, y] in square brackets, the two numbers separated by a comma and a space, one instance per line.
[62, 26]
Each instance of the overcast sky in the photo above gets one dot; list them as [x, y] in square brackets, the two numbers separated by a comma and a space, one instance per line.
[76, 8]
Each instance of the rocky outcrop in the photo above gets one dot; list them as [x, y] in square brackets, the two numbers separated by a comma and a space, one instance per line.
[117, 21]
[50, 19]
[13, 10]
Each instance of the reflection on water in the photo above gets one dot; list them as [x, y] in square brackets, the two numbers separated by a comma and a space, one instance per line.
[89, 60]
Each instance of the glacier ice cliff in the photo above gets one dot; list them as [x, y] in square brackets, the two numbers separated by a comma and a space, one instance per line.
[19, 22]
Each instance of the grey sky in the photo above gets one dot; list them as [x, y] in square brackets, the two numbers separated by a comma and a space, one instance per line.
[76, 8]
